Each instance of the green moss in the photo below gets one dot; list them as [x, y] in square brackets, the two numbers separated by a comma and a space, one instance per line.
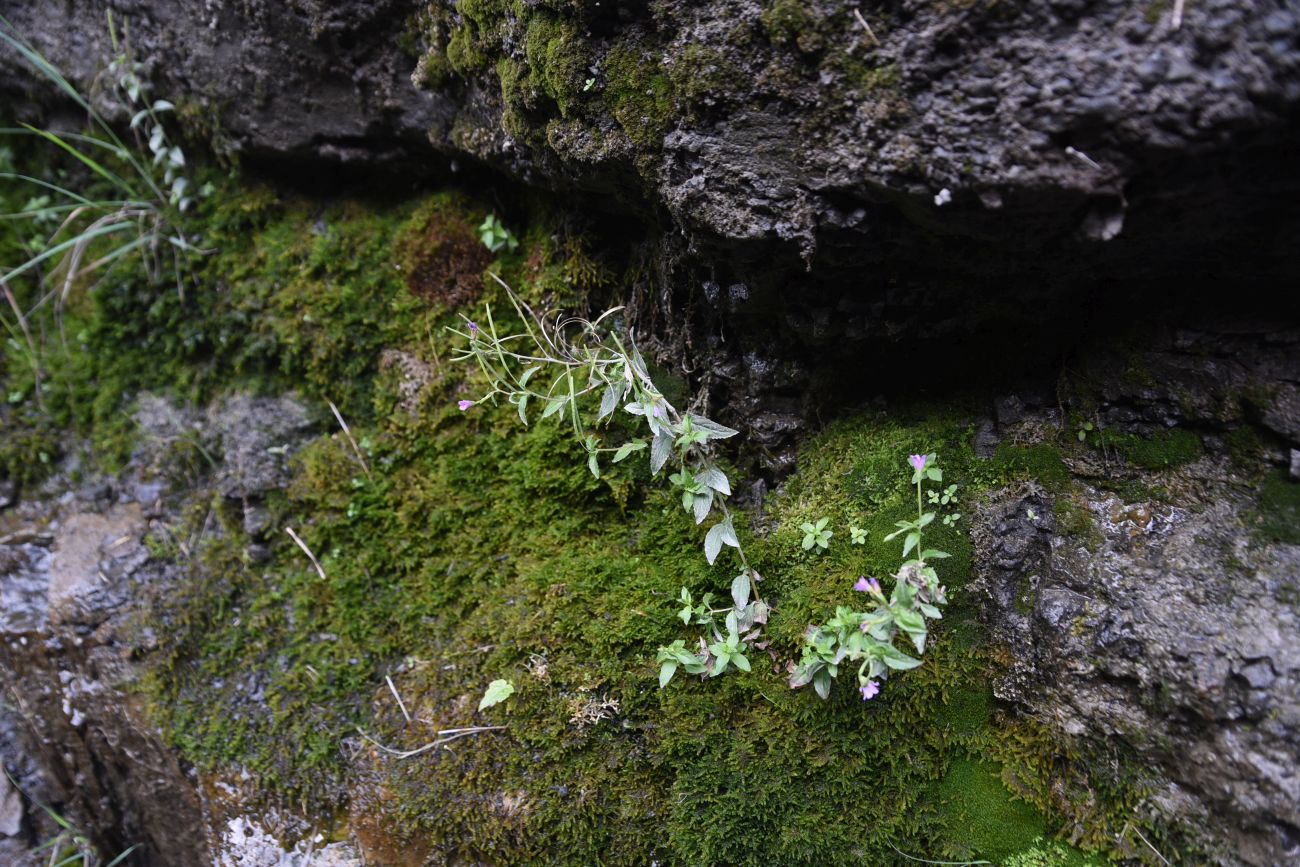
[702, 75]
[1279, 509]
[1163, 450]
[638, 94]
[1072, 518]
[1244, 448]
[465, 54]
[482, 549]
[1041, 462]
[557, 60]
[988, 822]
[788, 22]
[863, 77]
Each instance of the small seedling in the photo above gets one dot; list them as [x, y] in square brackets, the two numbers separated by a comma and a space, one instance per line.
[816, 535]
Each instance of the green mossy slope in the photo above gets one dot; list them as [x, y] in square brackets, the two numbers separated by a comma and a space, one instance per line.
[482, 550]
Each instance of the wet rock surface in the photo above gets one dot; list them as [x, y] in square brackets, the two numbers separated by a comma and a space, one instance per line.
[75, 571]
[1152, 616]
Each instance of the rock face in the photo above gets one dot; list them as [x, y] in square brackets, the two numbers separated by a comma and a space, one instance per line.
[932, 184]
[1166, 624]
[310, 79]
[75, 574]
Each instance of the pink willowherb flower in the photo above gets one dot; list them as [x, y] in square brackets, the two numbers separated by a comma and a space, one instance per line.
[867, 585]
[870, 690]
[473, 330]
[917, 462]
[464, 404]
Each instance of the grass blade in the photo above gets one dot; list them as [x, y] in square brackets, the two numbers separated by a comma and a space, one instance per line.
[76, 197]
[88, 235]
[120, 858]
[92, 164]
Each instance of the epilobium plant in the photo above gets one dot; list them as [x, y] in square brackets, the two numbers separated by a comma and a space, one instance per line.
[816, 535]
[867, 636]
[495, 236]
[553, 366]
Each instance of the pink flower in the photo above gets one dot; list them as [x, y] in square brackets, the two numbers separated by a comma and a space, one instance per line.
[867, 585]
[464, 404]
[917, 462]
[869, 690]
[473, 330]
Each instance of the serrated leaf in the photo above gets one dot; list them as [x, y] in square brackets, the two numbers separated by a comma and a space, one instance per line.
[701, 504]
[714, 478]
[714, 430]
[661, 449]
[740, 589]
[712, 543]
[497, 692]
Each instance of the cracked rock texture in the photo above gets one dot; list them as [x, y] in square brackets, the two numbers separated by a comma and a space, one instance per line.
[967, 180]
[1164, 625]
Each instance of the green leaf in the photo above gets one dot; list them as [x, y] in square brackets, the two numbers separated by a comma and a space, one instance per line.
[809, 540]
[497, 692]
[912, 540]
[934, 554]
[554, 405]
[740, 589]
[741, 662]
[713, 543]
[714, 430]
[701, 506]
[729, 533]
[627, 449]
[666, 672]
[822, 683]
[608, 402]
[821, 524]
[896, 659]
[523, 406]
[528, 374]
[661, 449]
[934, 474]
[714, 478]
[593, 465]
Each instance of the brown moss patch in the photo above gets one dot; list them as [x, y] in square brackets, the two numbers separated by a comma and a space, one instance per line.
[442, 259]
